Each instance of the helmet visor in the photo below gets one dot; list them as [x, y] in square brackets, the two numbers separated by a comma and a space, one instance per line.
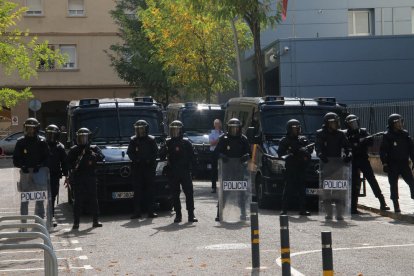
[353, 124]
[51, 136]
[234, 130]
[175, 131]
[295, 130]
[398, 123]
[30, 130]
[333, 124]
[82, 139]
[141, 131]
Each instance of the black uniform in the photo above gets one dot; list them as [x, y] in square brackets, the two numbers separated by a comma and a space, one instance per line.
[82, 162]
[57, 167]
[331, 144]
[31, 153]
[360, 140]
[395, 151]
[180, 158]
[297, 161]
[143, 153]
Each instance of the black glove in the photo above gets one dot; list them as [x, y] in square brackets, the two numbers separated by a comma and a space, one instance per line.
[323, 158]
[244, 158]
[310, 149]
[347, 158]
[385, 168]
[224, 158]
[36, 169]
[25, 170]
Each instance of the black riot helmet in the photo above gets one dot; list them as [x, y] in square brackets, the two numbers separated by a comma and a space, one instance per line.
[176, 129]
[293, 127]
[31, 127]
[52, 133]
[352, 122]
[395, 121]
[82, 136]
[234, 127]
[141, 128]
[331, 121]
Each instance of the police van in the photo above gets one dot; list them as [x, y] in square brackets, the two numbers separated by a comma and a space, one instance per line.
[111, 122]
[264, 123]
[197, 119]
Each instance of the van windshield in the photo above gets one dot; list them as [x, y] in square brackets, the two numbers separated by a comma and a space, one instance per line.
[274, 120]
[200, 120]
[106, 127]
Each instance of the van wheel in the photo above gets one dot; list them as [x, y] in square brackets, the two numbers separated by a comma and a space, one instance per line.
[262, 200]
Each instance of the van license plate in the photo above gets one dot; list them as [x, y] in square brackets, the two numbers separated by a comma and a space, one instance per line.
[120, 195]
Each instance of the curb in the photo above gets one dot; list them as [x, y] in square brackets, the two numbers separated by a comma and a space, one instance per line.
[397, 216]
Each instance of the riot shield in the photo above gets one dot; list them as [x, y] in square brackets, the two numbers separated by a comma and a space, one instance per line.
[34, 192]
[335, 184]
[234, 190]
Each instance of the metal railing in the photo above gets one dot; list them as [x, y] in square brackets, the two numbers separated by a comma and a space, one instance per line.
[50, 259]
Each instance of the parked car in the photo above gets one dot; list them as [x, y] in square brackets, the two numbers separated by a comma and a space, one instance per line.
[8, 143]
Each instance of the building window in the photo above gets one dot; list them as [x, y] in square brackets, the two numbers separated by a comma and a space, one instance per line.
[47, 64]
[70, 52]
[76, 8]
[131, 14]
[34, 7]
[360, 22]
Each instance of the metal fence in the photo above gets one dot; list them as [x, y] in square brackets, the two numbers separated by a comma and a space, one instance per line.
[374, 115]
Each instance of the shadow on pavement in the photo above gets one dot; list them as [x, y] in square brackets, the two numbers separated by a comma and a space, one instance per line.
[232, 226]
[174, 227]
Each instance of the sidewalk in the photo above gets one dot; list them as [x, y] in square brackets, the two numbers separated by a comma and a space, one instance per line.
[371, 203]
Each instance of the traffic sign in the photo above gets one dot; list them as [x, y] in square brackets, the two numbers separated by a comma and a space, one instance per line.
[15, 120]
[35, 105]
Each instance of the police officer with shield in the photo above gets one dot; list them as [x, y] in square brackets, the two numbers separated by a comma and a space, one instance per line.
[233, 144]
[180, 156]
[331, 142]
[30, 154]
[56, 161]
[395, 151]
[82, 160]
[360, 140]
[295, 148]
[142, 151]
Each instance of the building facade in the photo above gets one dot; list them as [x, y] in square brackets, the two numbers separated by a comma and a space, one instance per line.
[83, 30]
[322, 44]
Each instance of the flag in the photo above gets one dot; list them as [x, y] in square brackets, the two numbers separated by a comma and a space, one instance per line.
[284, 9]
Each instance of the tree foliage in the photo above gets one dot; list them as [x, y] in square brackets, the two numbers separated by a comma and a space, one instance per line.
[133, 59]
[20, 53]
[257, 14]
[195, 48]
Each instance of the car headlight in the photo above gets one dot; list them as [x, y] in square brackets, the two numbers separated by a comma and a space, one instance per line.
[160, 167]
[276, 166]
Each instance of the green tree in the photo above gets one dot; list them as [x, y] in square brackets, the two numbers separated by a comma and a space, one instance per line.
[133, 59]
[20, 53]
[196, 48]
[256, 14]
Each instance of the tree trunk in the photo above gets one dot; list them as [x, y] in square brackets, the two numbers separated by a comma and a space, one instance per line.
[258, 59]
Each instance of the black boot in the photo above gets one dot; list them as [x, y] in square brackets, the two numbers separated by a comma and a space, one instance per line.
[75, 224]
[396, 206]
[191, 217]
[96, 222]
[383, 204]
[178, 217]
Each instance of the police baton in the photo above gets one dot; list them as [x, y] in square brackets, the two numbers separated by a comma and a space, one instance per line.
[285, 244]
[254, 224]
[327, 258]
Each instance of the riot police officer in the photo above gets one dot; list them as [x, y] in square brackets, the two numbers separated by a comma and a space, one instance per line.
[332, 142]
[233, 144]
[360, 140]
[298, 156]
[180, 156]
[142, 151]
[31, 153]
[395, 151]
[82, 160]
[56, 161]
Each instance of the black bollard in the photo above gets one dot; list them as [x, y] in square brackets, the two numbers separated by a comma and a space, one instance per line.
[327, 258]
[285, 244]
[254, 224]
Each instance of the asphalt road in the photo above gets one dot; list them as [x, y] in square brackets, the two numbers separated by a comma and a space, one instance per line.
[368, 244]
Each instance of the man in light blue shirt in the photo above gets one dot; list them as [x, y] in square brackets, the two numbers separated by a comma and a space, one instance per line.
[213, 138]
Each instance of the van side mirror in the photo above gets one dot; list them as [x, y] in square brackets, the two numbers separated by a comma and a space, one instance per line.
[251, 136]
